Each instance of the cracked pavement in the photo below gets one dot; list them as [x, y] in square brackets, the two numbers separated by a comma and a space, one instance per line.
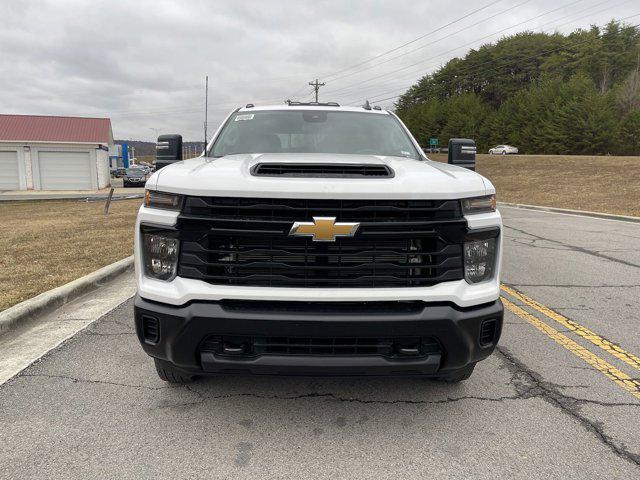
[94, 407]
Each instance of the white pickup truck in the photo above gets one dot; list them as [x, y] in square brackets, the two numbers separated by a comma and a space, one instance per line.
[315, 239]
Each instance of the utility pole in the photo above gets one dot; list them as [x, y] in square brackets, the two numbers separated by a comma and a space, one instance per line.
[316, 86]
[206, 109]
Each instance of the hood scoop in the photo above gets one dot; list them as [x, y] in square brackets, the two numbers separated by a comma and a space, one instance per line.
[322, 170]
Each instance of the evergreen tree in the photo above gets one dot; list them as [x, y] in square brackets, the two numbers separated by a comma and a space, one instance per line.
[573, 94]
[628, 138]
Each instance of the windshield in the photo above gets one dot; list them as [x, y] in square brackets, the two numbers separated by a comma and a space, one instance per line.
[313, 131]
[134, 171]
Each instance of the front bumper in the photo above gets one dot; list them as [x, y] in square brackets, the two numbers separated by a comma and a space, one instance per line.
[181, 331]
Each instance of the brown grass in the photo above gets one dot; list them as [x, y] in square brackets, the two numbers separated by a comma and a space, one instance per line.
[598, 184]
[45, 244]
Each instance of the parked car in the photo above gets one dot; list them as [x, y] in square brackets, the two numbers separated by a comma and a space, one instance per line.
[144, 167]
[317, 258]
[134, 177]
[503, 150]
[120, 172]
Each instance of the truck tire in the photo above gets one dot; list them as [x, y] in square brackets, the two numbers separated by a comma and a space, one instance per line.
[171, 374]
[458, 375]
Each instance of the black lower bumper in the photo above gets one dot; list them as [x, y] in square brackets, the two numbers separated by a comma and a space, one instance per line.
[180, 335]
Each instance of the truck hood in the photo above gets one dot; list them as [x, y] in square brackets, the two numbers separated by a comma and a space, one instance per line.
[231, 176]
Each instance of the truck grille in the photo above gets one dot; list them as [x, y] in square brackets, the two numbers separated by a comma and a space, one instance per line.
[401, 347]
[244, 241]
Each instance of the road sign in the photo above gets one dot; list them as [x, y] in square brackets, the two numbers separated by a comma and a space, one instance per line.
[433, 142]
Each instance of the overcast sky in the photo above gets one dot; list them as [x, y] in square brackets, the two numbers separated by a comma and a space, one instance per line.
[142, 63]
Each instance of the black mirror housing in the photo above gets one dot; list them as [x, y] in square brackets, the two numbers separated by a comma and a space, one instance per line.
[168, 150]
[462, 152]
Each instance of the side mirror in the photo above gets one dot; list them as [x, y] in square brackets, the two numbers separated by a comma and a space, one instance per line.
[168, 150]
[462, 152]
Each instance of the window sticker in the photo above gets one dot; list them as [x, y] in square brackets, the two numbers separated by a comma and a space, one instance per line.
[245, 116]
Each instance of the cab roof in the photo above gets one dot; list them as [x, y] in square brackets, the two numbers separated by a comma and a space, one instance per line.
[306, 106]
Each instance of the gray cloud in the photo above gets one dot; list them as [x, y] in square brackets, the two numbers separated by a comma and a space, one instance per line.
[142, 63]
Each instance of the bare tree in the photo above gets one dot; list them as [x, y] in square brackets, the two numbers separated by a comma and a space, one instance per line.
[606, 78]
[629, 92]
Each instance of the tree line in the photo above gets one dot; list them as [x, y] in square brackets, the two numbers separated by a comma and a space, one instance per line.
[544, 93]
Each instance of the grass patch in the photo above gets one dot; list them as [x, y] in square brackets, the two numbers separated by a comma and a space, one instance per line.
[45, 244]
[597, 184]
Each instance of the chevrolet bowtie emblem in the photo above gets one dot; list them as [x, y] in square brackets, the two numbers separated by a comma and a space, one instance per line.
[324, 229]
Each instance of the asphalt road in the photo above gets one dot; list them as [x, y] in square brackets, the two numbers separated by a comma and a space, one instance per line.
[559, 399]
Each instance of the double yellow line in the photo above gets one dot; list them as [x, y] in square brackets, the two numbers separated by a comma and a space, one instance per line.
[617, 376]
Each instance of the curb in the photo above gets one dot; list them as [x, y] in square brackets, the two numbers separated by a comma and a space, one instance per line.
[581, 213]
[27, 310]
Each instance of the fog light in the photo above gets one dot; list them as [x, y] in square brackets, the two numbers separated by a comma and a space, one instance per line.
[479, 259]
[160, 255]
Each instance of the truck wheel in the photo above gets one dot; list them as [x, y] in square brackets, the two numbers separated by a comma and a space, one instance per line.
[171, 374]
[458, 375]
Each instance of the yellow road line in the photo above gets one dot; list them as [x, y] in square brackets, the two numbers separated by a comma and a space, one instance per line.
[620, 378]
[584, 332]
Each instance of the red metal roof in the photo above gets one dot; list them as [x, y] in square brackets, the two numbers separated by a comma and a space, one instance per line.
[38, 128]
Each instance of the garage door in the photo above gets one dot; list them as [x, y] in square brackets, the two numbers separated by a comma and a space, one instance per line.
[9, 173]
[65, 170]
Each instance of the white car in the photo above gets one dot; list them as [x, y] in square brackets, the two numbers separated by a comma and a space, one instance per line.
[503, 150]
[314, 239]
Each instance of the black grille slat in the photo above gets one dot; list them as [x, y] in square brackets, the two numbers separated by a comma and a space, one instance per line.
[345, 210]
[272, 277]
[313, 170]
[323, 346]
[244, 241]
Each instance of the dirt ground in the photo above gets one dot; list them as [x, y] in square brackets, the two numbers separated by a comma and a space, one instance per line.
[598, 184]
[45, 244]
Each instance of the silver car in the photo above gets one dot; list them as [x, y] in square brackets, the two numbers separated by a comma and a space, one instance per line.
[503, 150]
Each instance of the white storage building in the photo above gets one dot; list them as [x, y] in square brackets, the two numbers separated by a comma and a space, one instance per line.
[54, 153]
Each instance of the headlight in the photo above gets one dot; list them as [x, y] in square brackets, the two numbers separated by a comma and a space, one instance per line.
[479, 205]
[168, 201]
[479, 259]
[160, 253]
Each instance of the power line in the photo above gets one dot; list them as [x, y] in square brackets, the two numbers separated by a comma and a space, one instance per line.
[456, 48]
[358, 87]
[502, 66]
[589, 14]
[299, 91]
[555, 20]
[474, 67]
[433, 42]
[412, 41]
